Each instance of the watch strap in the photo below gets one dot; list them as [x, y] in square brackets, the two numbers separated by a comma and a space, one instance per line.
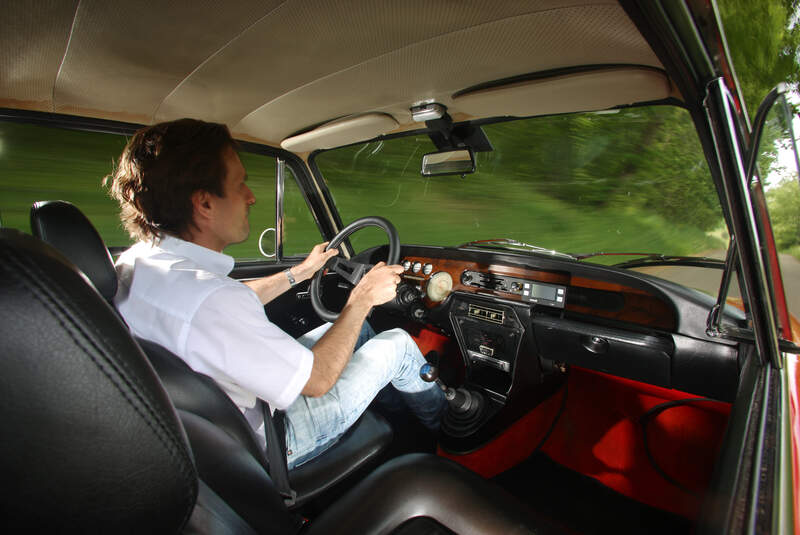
[292, 281]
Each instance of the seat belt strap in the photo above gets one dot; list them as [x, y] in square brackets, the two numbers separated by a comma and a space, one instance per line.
[275, 434]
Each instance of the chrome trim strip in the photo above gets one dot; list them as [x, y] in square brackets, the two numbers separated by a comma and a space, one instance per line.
[714, 321]
[280, 174]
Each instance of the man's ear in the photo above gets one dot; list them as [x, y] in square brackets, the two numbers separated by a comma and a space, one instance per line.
[202, 207]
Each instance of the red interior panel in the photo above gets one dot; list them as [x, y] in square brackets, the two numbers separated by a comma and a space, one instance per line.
[599, 434]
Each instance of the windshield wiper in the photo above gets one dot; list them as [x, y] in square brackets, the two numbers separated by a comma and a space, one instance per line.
[655, 259]
[514, 245]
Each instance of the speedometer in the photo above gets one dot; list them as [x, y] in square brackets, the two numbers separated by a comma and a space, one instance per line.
[439, 286]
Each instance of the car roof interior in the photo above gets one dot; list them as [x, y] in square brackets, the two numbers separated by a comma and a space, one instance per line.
[244, 63]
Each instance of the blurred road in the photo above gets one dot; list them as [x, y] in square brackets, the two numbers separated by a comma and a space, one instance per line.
[790, 269]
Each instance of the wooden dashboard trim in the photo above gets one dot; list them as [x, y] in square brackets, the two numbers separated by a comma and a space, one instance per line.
[640, 307]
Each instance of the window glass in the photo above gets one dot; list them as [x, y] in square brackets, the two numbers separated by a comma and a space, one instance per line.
[40, 163]
[261, 179]
[300, 231]
[625, 181]
[44, 163]
[778, 173]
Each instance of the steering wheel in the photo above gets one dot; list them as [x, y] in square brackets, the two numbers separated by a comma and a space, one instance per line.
[351, 270]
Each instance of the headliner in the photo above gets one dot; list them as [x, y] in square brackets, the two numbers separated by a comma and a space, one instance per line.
[270, 69]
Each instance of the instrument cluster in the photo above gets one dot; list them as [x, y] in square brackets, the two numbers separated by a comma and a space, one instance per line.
[435, 286]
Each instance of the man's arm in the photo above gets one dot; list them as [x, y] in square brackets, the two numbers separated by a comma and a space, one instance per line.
[268, 288]
[333, 351]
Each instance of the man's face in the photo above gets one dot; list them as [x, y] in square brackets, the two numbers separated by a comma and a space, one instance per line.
[231, 222]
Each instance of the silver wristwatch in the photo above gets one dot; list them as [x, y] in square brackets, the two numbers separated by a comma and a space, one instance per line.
[289, 276]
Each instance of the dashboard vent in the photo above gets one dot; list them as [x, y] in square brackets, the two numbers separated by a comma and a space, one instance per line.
[486, 314]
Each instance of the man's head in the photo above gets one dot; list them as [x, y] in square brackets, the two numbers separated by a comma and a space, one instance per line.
[185, 179]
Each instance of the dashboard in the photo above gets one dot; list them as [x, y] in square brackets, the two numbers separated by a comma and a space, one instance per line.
[520, 321]
[557, 289]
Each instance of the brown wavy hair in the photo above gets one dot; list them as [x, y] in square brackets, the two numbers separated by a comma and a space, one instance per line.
[160, 168]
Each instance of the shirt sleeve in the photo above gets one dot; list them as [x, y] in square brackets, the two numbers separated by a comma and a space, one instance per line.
[231, 340]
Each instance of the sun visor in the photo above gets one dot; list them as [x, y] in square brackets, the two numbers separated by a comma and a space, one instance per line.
[581, 91]
[341, 132]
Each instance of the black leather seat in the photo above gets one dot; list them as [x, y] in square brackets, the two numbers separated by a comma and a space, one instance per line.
[90, 438]
[198, 396]
[63, 225]
[92, 443]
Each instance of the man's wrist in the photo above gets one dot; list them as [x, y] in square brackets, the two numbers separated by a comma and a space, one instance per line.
[359, 301]
[293, 281]
[357, 307]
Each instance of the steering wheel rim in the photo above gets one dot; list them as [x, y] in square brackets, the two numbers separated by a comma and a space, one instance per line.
[370, 221]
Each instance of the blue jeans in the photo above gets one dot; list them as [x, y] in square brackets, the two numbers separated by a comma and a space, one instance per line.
[315, 424]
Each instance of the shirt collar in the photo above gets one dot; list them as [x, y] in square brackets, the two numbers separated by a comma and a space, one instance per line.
[207, 259]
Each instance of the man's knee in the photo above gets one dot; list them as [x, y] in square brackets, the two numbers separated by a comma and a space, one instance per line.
[397, 335]
[401, 340]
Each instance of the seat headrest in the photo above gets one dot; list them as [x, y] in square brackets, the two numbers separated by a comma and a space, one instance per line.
[90, 438]
[63, 225]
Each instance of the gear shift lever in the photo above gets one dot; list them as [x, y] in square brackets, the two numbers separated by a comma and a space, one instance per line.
[430, 374]
[459, 400]
[465, 408]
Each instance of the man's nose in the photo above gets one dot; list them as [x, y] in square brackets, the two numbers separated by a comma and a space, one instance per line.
[251, 198]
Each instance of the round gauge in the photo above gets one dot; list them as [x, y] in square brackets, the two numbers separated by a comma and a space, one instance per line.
[406, 265]
[417, 267]
[439, 286]
[427, 268]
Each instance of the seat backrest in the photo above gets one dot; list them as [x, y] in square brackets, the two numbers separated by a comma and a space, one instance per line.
[229, 458]
[90, 438]
[198, 394]
[63, 226]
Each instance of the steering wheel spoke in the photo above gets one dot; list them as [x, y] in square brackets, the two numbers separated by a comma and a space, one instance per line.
[349, 270]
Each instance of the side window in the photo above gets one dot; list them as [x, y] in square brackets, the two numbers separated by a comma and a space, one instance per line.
[261, 180]
[777, 171]
[44, 163]
[300, 231]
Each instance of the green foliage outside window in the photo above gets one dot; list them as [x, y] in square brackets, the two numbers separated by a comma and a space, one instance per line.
[39, 163]
[631, 181]
[300, 231]
[784, 209]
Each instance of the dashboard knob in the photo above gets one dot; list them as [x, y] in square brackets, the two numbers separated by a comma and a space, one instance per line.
[406, 294]
[418, 312]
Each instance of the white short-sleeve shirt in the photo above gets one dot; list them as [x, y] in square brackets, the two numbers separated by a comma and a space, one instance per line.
[178, 295]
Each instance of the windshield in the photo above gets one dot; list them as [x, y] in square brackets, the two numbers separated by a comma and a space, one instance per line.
[633, 180]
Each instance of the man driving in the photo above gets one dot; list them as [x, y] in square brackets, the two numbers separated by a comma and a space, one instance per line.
[184, 197]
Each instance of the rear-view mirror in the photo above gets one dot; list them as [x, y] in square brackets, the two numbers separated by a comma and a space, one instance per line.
[449, 162]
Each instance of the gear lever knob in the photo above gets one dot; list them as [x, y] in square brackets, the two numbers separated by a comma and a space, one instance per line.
[428, 372]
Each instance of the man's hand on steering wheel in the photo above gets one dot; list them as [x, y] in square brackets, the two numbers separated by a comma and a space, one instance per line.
[378, 286]
[313, 262]
[354, 270]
